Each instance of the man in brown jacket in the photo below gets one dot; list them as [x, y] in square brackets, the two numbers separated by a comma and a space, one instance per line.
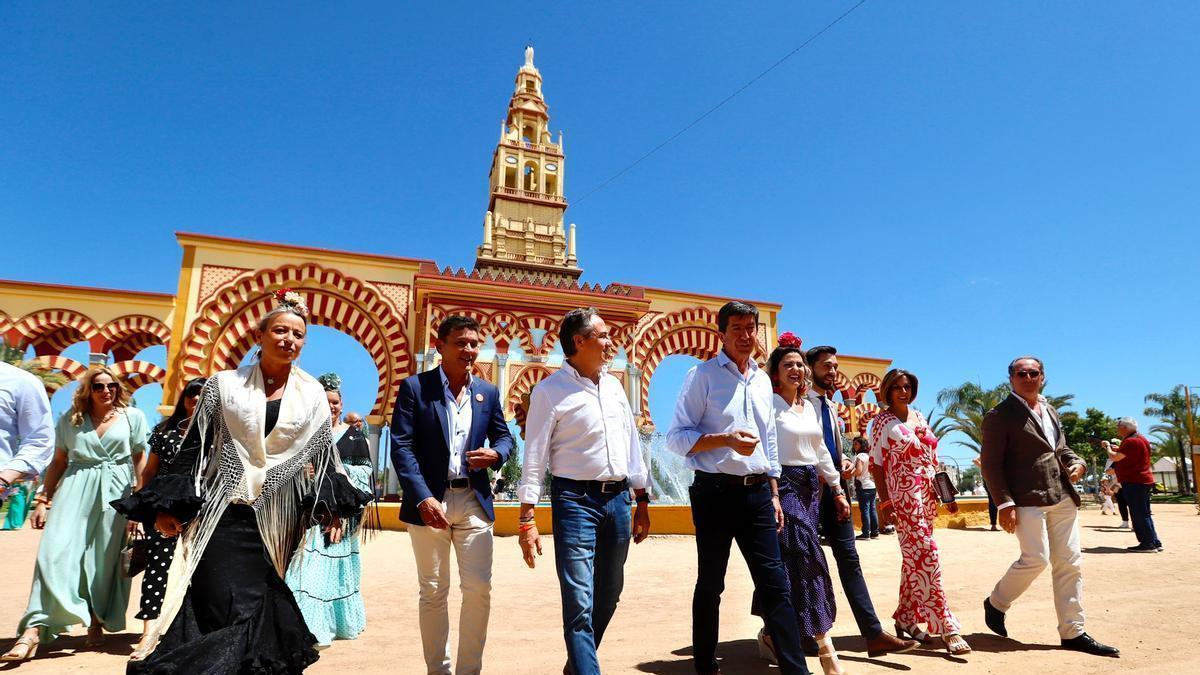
[1029, 470]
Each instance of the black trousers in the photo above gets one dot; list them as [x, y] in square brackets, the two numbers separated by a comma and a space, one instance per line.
[1123, 506]
[723, 514]
[993, 512]
[840, 536]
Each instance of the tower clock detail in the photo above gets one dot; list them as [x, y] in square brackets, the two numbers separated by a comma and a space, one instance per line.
[523, 232]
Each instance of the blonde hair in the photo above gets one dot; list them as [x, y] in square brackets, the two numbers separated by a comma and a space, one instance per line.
[81, 402]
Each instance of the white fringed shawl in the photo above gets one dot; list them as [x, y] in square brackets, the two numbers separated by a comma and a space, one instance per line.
[243, 466]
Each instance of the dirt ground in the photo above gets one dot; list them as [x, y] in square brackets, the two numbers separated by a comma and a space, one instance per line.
[1144, 604]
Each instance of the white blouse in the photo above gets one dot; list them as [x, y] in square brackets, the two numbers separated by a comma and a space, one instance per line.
[798, 433]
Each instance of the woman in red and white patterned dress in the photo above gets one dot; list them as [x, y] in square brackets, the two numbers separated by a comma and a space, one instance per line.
[904, 462]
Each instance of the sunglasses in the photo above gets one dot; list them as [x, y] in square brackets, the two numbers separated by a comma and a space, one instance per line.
[1031, 374]
[100, 386]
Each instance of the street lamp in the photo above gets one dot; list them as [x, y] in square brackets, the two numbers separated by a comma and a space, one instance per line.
[1193, 440]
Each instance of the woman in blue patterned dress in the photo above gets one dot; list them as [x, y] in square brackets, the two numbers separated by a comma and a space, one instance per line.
[325, 577]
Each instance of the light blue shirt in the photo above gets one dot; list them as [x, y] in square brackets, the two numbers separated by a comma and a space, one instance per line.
[717, 398]
[26, 428]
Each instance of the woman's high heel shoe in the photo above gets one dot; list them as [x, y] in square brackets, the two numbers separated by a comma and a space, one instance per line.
[828, 656]
[766, 650]
[30, 645]
[956, 645]
[913, 632]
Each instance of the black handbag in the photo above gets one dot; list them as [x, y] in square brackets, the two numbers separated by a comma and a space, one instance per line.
[135, 555]
[944, 487]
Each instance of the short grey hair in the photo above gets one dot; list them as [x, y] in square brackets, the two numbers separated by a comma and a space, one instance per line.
[1128, 423]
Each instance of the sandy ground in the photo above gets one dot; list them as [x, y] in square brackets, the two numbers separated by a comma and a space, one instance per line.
[1144, 604]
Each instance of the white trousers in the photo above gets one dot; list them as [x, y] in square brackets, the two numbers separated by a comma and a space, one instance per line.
[1049, 535]
[470, 533]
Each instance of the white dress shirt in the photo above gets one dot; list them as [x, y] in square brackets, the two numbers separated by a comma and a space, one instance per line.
[1045, 421]
[798, 433]
[458, 425]
[26, 428]
[717, 398]
[584, 431]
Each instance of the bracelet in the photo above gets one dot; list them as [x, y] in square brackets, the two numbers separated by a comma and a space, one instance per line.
[525, 527]
[530, 519]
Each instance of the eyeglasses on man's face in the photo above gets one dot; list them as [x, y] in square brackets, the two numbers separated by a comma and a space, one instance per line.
[1028, 374]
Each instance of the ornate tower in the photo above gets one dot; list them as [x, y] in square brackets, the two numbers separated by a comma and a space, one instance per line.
[523, 228]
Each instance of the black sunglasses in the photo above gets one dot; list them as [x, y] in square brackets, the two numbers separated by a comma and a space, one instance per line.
[1031, 374]
[100, 386]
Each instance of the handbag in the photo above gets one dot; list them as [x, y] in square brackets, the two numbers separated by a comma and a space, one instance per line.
[944, 487]
[135, 555]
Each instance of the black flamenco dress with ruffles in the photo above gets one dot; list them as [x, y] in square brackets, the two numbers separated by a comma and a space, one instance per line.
[238, 615]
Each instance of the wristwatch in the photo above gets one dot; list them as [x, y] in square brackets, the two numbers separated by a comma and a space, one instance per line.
[643, 498]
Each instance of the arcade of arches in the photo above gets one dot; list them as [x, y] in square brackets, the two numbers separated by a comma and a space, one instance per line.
[525, 277]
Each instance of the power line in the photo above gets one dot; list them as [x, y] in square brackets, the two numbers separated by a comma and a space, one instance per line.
[716, 107]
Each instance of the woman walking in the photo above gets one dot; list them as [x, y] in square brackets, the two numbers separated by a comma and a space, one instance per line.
[806, 463]
[239, 498]
[77, 579]
[164, 444]
[904, 458]
[325, 577]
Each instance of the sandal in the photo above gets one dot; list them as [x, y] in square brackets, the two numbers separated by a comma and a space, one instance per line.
[914, 631]
[956, 645]
[29, 643]
[95, 637]
[829, 659]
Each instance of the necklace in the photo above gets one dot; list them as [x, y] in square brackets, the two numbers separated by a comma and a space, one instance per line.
[107, 416]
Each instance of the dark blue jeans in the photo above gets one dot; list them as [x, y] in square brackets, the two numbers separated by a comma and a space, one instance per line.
[723, 514]
[866, 508]
[591, 541]
[1138, 497]
[840, 536]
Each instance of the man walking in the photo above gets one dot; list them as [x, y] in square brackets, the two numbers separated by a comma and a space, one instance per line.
[724, 427]
[1029, 469]
[26, 429]
[840, 533]
[441, 420]
[581, 425]
[1131, 461]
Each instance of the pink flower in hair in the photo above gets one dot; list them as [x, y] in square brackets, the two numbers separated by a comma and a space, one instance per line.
[790, 341]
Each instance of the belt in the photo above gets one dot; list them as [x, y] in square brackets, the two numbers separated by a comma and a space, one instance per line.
[459, 483]
[603, 486]
[730, 480]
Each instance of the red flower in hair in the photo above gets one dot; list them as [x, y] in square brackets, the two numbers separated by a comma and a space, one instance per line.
[790, 340]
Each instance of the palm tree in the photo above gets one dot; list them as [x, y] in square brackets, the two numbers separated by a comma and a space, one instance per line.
[1172, 411]
[51, 379]
[966, 404]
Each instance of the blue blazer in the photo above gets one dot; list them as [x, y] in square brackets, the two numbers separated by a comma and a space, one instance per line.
[421, 442]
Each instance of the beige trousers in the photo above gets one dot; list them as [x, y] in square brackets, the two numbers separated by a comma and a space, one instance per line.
[1049, 536]
[470, 535]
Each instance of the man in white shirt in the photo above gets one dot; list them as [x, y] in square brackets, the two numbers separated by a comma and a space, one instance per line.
[581, 425]
[724, 427]
[26, 428]
[441, 421]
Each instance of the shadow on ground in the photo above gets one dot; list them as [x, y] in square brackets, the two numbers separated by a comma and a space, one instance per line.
[116, 644]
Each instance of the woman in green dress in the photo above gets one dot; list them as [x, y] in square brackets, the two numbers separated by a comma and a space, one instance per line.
[78, 578]
[325, 577]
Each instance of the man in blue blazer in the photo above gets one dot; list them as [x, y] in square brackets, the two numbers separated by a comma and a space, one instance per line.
[441, 420]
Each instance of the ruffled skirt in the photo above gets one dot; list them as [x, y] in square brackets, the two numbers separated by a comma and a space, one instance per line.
[238, 616]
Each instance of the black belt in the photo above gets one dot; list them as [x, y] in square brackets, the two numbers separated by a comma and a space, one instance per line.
[460, 483]
[602, 486]
[730, 480]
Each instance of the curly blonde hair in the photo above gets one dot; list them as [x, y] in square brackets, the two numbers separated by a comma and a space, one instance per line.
[81, 402]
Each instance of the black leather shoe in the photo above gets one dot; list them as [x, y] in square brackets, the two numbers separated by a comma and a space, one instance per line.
[994, 618]
[1084, 643]
[1142, 549]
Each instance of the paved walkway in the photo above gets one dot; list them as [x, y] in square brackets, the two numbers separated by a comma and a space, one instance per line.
[1144, 604]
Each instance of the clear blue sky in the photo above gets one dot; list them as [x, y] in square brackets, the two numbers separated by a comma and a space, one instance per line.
[946, 184]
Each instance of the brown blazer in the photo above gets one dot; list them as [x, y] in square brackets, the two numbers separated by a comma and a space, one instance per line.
[1019, 463]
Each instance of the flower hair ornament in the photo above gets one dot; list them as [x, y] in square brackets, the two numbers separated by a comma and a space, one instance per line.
[789, 340]
[287, 297]
[330, 381]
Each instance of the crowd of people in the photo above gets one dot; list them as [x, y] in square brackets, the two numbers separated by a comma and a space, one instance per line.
[251, 494]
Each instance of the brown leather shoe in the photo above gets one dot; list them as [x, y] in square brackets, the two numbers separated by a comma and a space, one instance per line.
[886, 643]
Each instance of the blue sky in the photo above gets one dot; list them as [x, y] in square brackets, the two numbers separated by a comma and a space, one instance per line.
[946, 184]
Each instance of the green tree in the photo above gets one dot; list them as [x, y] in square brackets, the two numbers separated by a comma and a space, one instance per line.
[966, 404]
[1085, 432]
[14, 356]
[1171, 409]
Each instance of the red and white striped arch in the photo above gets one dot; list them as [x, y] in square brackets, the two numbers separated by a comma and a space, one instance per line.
[127, 335]
[137, 374]
[864, 413]
[864, 381]
[70, 368]
[523, 383]
[700, 341]
[50, 331]
[224, 333]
